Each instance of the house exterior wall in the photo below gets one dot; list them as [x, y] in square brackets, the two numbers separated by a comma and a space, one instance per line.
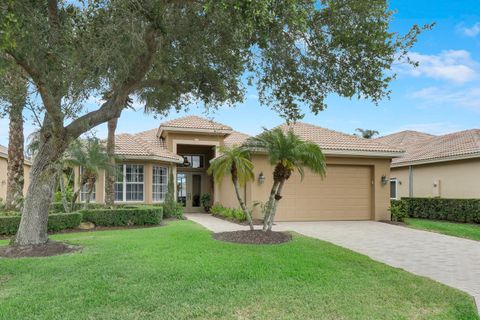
[3, 178]
[453, 179]
[258, 193]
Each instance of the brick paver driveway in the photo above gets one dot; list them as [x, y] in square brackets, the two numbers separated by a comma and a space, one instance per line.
[449, 260]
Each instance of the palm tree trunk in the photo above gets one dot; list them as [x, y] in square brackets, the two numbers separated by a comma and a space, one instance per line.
[110, 176]
[242, 204]
[15, 174]
[273, 209]
[268, 209]
[61, 182]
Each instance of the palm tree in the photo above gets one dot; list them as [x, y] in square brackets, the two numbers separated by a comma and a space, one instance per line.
[367, 133]
[287, 152]
[92, 156]
[110, 178]
[14, 94]
[234, 161]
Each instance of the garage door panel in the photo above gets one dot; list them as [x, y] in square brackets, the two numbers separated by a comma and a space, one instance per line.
[345, 194]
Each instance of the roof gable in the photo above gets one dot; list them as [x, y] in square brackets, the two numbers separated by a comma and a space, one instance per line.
[194, 124]
[405, 137]
[342, 143]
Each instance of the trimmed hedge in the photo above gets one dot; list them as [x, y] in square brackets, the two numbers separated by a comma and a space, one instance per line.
[127, 216]
[57, 207]
[457, 210]
[56, 222]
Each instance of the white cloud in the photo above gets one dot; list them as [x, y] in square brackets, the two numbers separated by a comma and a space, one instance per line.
[472, 31]
[455, 66]
[467, 98]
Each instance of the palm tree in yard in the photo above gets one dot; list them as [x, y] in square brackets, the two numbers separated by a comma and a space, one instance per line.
[91, 156]
[234, 161]
[287, 152]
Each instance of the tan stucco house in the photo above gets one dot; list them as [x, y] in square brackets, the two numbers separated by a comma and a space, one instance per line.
[446, 166]
[3, 172]
[356, 186]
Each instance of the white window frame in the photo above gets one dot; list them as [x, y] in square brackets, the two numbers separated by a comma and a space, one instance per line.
[196, 155]
[83, 192]
[396, 188]
[165, 184]
[125, 183]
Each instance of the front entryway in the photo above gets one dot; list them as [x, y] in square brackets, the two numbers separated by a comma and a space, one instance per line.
[189, 190]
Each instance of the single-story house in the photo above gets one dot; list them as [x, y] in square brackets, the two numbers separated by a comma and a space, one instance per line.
[355, 188]
[446, 166]
[3, 172]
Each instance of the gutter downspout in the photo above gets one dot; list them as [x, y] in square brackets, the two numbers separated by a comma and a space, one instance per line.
[410, 181]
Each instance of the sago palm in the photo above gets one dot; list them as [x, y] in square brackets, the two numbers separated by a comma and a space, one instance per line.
[287, 152]
[234, 161]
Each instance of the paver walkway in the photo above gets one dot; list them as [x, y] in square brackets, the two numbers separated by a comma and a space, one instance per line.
[449, 260]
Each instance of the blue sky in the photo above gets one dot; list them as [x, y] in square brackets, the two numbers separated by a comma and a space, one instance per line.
[441, 96]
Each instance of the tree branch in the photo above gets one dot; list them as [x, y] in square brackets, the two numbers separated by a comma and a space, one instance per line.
[117, 101]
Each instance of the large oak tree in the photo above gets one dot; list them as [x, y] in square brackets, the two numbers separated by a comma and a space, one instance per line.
[175, 53]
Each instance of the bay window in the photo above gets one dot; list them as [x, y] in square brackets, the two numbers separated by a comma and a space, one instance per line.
[129, 182]
[159, 183]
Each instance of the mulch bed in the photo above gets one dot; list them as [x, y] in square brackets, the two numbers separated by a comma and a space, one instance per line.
[51, 248]
[253, 237]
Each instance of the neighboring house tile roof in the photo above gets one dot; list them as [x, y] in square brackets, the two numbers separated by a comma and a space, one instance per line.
[402, 138]
[338, 142]
[235, 138]
[3, 151]
[194, 123]
[453, 146]
[144, 145]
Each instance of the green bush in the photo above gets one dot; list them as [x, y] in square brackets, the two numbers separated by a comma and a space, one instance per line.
[57, 207]
[457, 210]
[398, 210]
[56, 222]
[171, 208]
[68, 193]
[128, 216]
[218, 210]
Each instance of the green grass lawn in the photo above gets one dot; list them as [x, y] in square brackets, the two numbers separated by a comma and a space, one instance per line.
[180, 272]
[463, 230]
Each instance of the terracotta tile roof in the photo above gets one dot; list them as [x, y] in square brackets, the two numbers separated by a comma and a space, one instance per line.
[143, 144]
[195, 122]
[3, 151]
[462, 144]
[406, 137]
[337, 141]
[235, 138]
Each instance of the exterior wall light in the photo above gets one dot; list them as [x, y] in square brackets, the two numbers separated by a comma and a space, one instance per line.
[384, 180]
[261, 178]
[186, 163]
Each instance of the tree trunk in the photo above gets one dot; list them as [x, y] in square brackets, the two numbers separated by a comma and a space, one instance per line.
[110, 174]
[273, 209]
[242, 204]
[15, 174]
[33, 224]
[268, 209]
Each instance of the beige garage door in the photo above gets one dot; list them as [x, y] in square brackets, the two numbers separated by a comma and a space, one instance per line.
[345, 194]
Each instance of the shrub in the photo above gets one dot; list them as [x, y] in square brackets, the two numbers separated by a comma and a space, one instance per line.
[57, 207]
[218, 210]
[457, 210]
[68, 193]
[56, 222]
[171, 208]
[398, 211]
[127, 216]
